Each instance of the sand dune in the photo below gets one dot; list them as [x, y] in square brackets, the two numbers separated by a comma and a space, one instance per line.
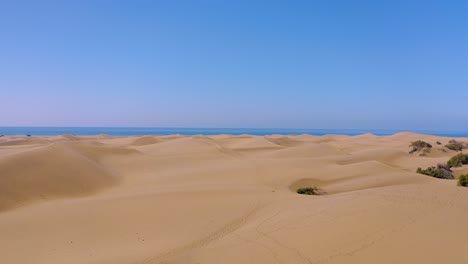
[249, 143]
[284, 141]
[184, 146]
[145, 140]
[384, 155]
[23, 141]
[69, 137]
[227, 199]
[50, 172]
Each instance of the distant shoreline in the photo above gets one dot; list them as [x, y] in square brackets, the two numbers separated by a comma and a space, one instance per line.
[134, 131]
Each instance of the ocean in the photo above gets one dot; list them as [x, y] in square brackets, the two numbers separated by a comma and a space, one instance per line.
[137, 131]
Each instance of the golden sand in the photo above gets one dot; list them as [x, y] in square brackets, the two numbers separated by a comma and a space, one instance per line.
[227, 199]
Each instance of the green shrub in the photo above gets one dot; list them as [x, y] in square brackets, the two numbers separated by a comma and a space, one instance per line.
[458, 160]
[419, 145]
[439, 143]
[441, 171]
[308, 191]
[463, 180]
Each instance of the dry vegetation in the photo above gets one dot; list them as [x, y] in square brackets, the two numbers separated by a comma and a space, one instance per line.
[420, 146]
[309, 191]
[456, 145]
[443, 171]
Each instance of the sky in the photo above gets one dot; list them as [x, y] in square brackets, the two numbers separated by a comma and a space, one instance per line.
[229, 64]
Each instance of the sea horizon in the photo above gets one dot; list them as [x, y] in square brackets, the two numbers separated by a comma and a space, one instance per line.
[139, 131]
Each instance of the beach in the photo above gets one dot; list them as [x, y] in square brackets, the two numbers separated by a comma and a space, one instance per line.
[228, 199]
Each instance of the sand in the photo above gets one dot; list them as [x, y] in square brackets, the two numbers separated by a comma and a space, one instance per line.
[227, 199]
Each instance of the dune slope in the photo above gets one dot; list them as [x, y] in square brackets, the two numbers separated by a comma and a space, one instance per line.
[49, 172]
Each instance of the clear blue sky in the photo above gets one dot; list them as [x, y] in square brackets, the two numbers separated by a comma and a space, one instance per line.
[278, 64]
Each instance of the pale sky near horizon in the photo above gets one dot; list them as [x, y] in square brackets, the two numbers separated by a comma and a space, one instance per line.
[257, 64]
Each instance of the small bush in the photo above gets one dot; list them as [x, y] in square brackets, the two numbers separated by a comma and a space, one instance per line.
[463, 180]
[420, 145]
[456, 145]
[441, 172]
[458, 160]
[439, 143]
[309, 191]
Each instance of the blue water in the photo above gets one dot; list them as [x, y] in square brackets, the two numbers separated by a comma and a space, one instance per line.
[135, 131]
